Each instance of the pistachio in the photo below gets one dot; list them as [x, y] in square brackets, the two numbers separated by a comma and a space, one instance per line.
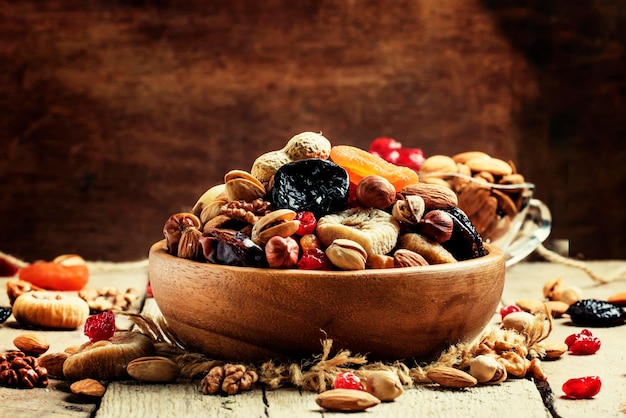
[280, 222]
[153, 369]
[207, 198]
[487, 370]
[241, 185]
[409, 209]
[346, 254]
[451, 377]
[347, 400]
[375, 192]
[384, 384]
[31, 344]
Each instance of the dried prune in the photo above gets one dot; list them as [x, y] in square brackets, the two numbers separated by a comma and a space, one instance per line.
[233, 248]
[465, 242]
[5, 313]
[313, 185]
[596, 313]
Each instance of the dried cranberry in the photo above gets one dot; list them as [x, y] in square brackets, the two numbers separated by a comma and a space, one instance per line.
[386, 148]
[348, 380]
[5, 313]
[583, 343]
[411, 158]
[149, 290]
[509, 309]
[100, 327]
[307, 223]
[573, 337]
[314, 259]
[582, 387]
[596, 313]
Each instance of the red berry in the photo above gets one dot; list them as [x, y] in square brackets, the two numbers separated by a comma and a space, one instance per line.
[585, 345]
[149, 290]
[314, 259]
[582, 387]
[384, 148]
[348, 380]
[307, 223]
[509, 309]
[100, 327]
[582, 342]
[411, 158]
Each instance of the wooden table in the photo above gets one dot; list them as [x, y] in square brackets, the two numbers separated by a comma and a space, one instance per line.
[516, 397]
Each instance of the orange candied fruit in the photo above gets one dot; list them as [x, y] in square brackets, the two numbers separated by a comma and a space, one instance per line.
[360, 163]
[55, 276]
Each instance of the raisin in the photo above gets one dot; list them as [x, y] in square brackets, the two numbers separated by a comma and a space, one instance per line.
[100, 327]
[596, 313]
[5, 313]
[313, 185]
[582, 387]
[465, 242]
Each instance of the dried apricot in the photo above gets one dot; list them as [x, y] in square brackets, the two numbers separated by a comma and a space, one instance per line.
[55, 276]
[360, 163]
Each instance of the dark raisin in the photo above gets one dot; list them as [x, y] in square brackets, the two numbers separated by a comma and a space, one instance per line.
[5, 313]
[596, 313]
[465, 242]
[233, 248]
[313, 185]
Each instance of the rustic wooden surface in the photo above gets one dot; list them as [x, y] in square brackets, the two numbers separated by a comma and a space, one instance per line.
[517, 397]
[114, 115]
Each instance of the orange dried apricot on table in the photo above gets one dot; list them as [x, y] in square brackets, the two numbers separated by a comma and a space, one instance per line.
[360, 163]
[55, 276]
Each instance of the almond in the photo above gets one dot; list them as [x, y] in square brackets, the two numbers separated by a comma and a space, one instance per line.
[451, 377]
[348, 400]
[31, 344]
[494, 166]
[88, 387]
[153, 369]
[53, 362]
[435, 196]
[554, 348]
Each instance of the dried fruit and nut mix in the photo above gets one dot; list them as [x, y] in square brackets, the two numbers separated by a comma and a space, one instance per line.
[316, 206]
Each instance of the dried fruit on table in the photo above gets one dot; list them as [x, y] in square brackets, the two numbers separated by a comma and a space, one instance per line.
[308, 222]
[52, 275]
[583, 343]
[596, 313]
[348, 380]
[582, 387]
[50, 310]
[100, 327]
[360, 163]
[232, 248]
[314, 185]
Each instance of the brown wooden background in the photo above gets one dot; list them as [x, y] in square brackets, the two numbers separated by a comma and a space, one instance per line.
[116, 114]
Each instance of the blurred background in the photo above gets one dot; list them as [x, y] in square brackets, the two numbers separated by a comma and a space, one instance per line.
[116, 114]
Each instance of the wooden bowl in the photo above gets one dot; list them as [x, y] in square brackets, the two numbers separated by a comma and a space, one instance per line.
[250, 314]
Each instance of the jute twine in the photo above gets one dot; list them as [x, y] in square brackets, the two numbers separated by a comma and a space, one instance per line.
[318, 373]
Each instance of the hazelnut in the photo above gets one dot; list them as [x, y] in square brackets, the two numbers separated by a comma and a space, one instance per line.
[281, 252]
[384, 384]
[407, 258]
[437, 225]
[375, 192]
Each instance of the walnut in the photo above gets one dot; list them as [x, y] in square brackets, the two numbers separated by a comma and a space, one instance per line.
[18, 287]
[249, 212]
[108, 299]
[229, 378]
[21, 371]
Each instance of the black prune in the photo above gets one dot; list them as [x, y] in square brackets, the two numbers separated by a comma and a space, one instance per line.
[313, 185]
[465, 242]
[5, 313]
[233, 248]
[596, 313]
